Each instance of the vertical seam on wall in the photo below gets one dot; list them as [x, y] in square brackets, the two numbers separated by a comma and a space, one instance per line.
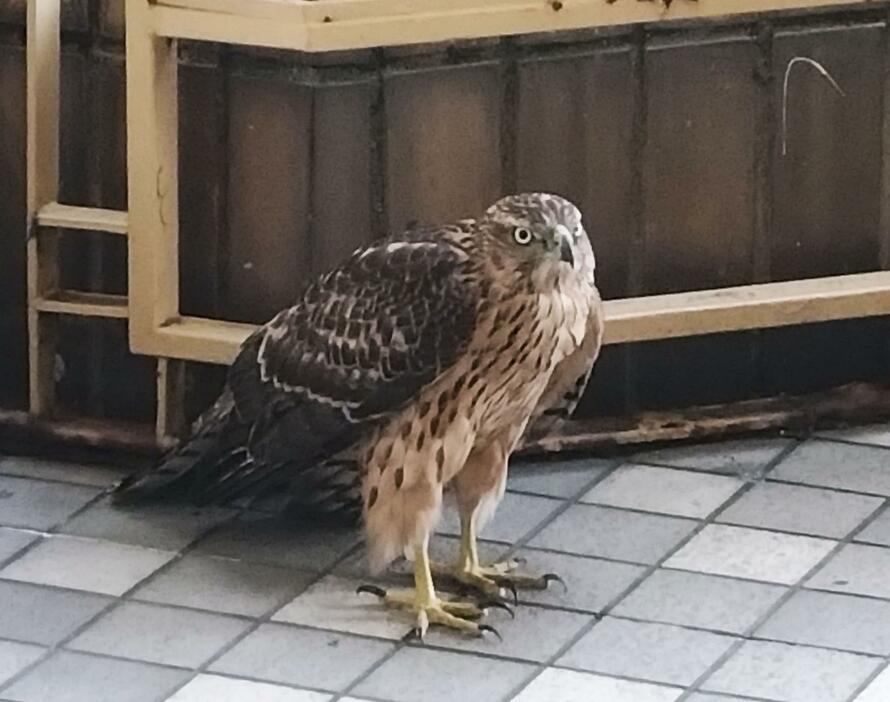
[379, 205]
[223, 249]
[637, 248]
[761, 253]
[765, 143]
[884, 215]
[310, 170]
[509, 117]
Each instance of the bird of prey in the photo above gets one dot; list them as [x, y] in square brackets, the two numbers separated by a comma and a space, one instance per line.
[413, 367]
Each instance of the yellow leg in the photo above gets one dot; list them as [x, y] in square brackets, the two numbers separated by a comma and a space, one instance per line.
[493, 579]
[428, 606]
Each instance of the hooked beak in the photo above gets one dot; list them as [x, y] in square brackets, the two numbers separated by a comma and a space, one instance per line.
[565, 245]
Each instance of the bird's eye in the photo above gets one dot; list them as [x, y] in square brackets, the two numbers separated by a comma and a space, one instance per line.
[522, 236]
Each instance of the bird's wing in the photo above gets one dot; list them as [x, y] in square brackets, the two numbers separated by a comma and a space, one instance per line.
[364, 340]
[570, 377]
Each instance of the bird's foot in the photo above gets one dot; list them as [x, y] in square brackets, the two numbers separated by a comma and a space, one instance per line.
[452, 613]
[497, 579]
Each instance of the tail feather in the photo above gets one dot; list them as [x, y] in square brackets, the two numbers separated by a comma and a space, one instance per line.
[213, 440]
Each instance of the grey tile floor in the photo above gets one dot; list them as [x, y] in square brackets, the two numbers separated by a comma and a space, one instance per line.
[745, 570]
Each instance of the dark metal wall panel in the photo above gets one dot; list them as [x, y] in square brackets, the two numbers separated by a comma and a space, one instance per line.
[13, 321]
[202, 187]
[268, 257]
[574, 137]
[443, 142]
[828, 184]
[698, 164]
[341, 172]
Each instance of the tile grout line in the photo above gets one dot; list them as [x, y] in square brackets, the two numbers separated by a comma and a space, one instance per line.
[869, 679]
[650, 569]
[115, 601]
[567, 503]
[265, 618]
[797, 587]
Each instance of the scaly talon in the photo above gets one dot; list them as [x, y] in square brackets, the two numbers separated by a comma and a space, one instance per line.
[428, 606]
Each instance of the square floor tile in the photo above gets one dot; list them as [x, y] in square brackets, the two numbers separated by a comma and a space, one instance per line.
[77, 677]
[656, 652]
[746, 458]
[14, 540]
[857, 569]
[86, 564]
[715, 697]
[556, 685]
[45, 469]
[751, 553]
[332, 603]
[874, 434]
[801, 509]
[38, 505]
[157, 634]
[442, 676]
[555, 478]
[878, 690]
[279, 541]
[536, 634]
[836, 465]
[667, 490]
[791, 673]
[302, 657]
[216, 688]
[15, 657]
[169, 527]
[591, 583]
[703, 601]
[611, 533]
[832, 620]
[224, 585]
[515, 517]
[878, 531]
[44, 615]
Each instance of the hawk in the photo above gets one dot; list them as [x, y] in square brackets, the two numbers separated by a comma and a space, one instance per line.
[413, 367]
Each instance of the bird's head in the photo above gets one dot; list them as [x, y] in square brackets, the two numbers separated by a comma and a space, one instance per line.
[539, 231]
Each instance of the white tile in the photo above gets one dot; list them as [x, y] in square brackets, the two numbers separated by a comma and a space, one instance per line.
[15, 657]
[857, 569]
[659, 653]
[878, 689]
[666, 490]
[751, 553]
[789, 673]
[216, 688]
[875, 434]
[86, 564]
[332, 603]
[556, 685]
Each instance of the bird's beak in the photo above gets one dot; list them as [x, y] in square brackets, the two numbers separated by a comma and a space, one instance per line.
[564, 238]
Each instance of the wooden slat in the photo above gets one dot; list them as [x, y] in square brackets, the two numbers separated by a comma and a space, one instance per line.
[83, 304]
[348, 24]
[91, 218]
[152, 175]
[627, 320]
[747, 307]
[43, 26]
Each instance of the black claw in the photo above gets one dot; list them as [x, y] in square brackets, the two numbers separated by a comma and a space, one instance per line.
[553, 577]
[497, 604]
[511, 586]
[371, 590]
[414, 635]
[489, 627]
[520, 560]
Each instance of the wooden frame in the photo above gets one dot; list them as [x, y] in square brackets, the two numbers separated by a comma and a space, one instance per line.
[156, 327]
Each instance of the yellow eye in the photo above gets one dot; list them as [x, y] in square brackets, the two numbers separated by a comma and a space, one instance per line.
[522, 236]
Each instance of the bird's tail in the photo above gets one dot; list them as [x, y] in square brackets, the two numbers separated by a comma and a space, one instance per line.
[214, 436]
